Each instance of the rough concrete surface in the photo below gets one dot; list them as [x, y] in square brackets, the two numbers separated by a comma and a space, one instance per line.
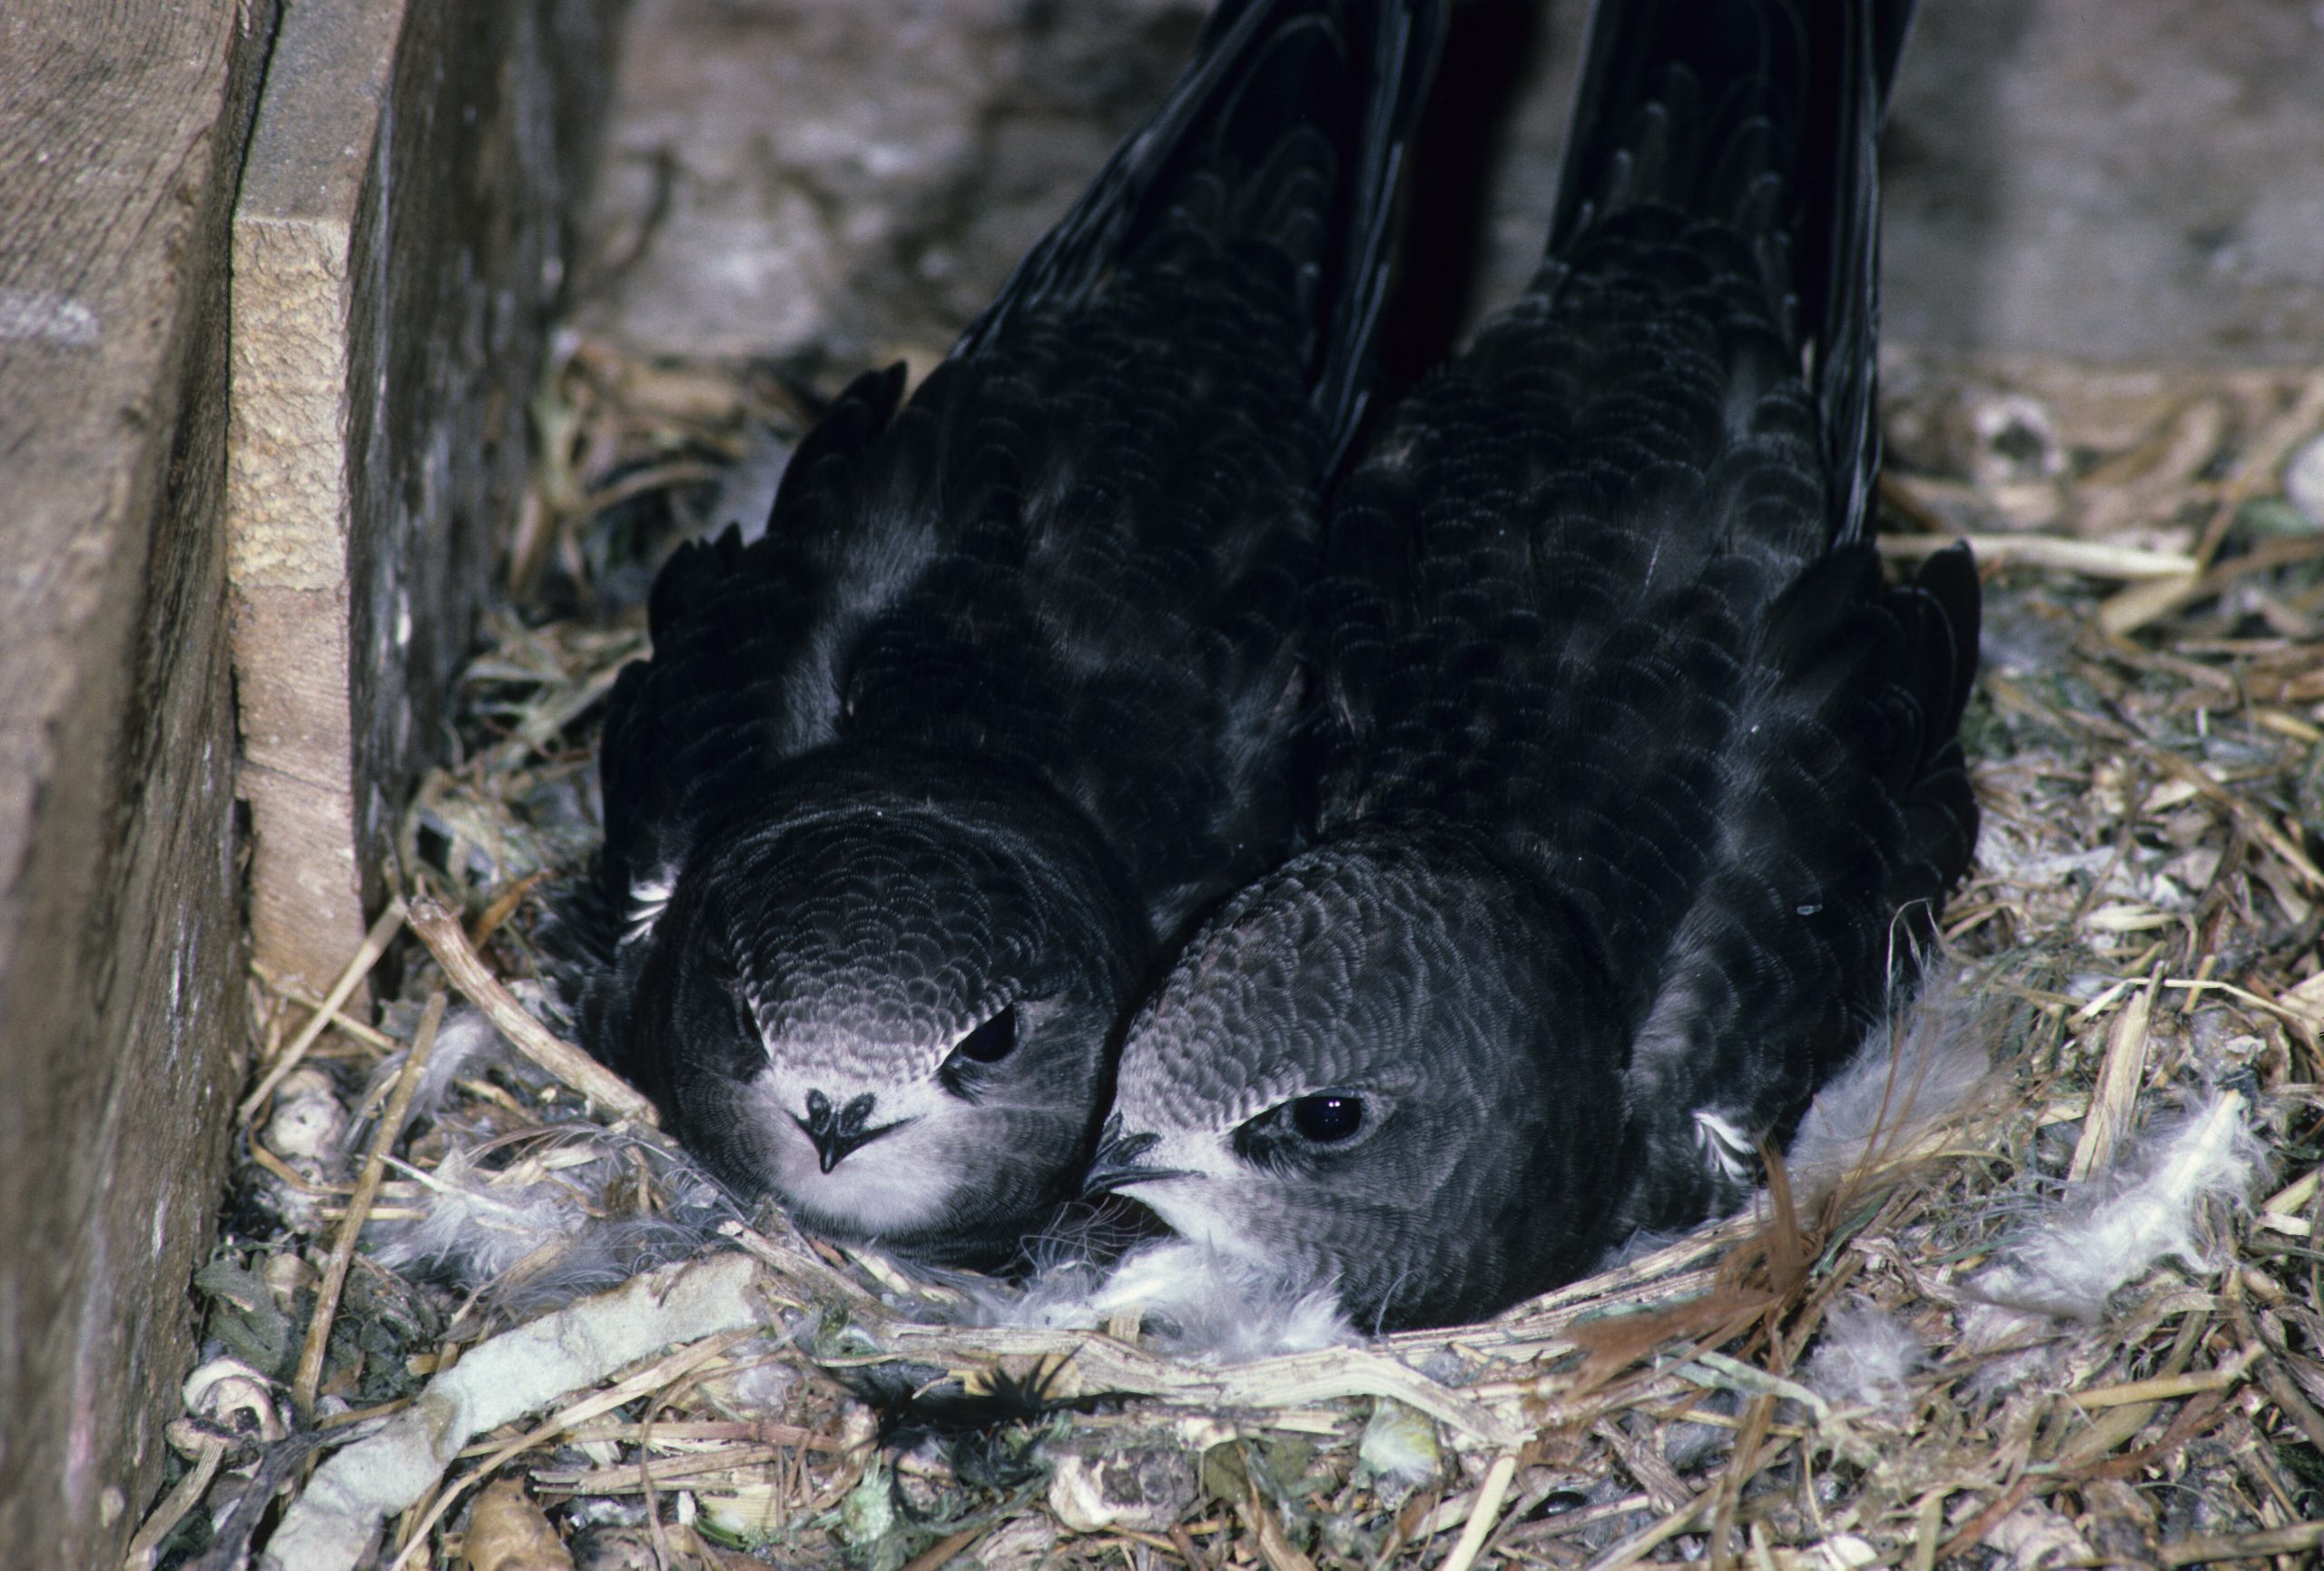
[785, 176]
[2112, 179]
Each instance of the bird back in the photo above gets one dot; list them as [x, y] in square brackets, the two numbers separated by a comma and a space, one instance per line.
[1076, 549]
[1604, 590]
[913, 782]
[1641, 784]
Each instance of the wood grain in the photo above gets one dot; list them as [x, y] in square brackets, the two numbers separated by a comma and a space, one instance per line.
[122, 126]
[402, 232]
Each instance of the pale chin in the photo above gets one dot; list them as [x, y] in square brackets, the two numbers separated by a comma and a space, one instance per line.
[905, 1181]
[1191, 1207]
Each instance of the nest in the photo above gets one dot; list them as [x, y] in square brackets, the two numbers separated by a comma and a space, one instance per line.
[1834, 1380]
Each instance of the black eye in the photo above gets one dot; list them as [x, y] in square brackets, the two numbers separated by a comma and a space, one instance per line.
[991, 1042]
[1328, 1116]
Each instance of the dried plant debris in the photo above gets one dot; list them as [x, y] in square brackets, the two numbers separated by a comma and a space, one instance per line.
[2038, 1287]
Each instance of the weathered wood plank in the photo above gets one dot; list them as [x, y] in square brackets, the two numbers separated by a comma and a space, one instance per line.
[403, 229]
[122, 126]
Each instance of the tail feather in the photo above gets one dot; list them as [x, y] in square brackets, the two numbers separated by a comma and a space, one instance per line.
[1293, 124]
[1784, 152]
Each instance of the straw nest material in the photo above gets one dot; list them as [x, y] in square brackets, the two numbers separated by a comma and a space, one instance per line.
[2073, 1322]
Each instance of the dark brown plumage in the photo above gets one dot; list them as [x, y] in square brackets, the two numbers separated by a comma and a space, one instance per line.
[896, 811]
[1644, 788]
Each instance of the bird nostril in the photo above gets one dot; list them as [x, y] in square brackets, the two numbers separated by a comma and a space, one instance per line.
[835, 1135]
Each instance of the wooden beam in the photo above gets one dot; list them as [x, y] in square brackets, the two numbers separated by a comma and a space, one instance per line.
[403, 229]
[122, 128]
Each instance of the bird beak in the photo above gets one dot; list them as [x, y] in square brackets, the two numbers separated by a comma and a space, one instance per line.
[836, 1133]
[831, 1148]
[1116, 1165]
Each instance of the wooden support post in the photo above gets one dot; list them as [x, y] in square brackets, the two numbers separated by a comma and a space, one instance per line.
[402, 232]
[434, 182]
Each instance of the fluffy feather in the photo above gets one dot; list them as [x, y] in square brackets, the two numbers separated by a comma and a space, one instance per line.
[1865, 1357]
[467, 1044]
[553, 1226]
[2147, 1207]
[1916, 1071]
[1194, 1301]
[981, 1431]
[476, 1229]
[1399, 1447]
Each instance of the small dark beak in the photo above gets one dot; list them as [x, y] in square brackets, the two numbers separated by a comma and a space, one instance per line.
[1116, 1165]
[836, 1133]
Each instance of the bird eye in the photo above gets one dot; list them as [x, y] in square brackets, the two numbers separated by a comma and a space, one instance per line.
[1327, 1117]
[991, 1042]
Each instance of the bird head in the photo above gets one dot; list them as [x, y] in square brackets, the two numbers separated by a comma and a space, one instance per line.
[891, 1015]
[1390, 1067]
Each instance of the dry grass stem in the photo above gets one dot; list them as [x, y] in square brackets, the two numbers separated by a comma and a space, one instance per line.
[374, 945]
[440, 930]
[358, 1208]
